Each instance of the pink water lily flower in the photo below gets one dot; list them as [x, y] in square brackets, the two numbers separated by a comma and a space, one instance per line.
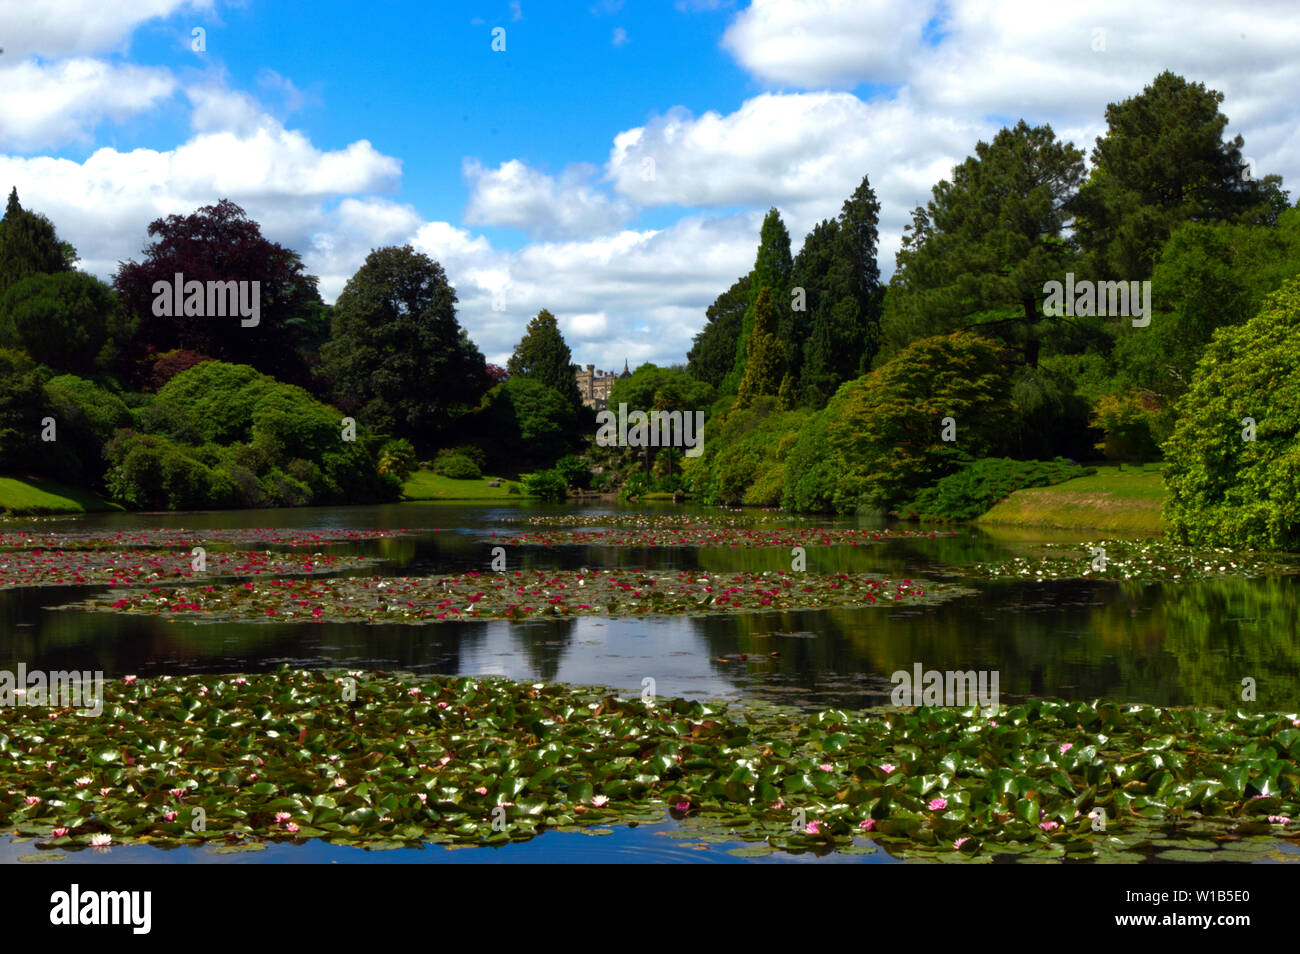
[481, 790]
[956, 845]
[169, 816]
[58, 832]
[599, 801]
[31, 800]
[1066, 746]
[826, 767]
[938, 804]
[814, 828]
[886, 768]
[291, 827]
[129, 680]
[1048, 825]
[83, 781]
[683, 806]
[282, 817]
[868, 824]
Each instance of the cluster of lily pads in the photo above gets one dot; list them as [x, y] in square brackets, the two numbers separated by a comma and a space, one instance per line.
[692, 535]
[388, 760]
[79, 567]
[167, 537]
[520, 595]
[1146, 560]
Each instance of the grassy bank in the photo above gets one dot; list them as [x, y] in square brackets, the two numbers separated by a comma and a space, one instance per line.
[1112, 499]
[426, 485]
[31, 496]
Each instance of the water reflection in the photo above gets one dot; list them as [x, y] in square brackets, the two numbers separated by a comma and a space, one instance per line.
[1155, 643]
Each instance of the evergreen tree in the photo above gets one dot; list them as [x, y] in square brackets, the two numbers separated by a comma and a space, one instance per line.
[772, 268]
[856, 244]
[764, 370]
[977, 256]
[29, 245]
[543, 355]
[713, 351]
[1163, 161]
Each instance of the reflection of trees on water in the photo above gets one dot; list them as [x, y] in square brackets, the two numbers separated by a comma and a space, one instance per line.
[1160, 644]
[544, 644]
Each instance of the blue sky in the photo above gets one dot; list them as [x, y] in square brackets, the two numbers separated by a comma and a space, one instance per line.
[341, 128]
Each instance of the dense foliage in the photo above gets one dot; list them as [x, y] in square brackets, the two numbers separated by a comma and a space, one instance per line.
[1234, 481]
[980, 484]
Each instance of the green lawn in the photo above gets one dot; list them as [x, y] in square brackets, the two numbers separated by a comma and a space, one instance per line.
[426, 485]
[20, 496]
[1112, 499]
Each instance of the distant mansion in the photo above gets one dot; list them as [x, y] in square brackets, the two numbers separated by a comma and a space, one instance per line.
[594, 386]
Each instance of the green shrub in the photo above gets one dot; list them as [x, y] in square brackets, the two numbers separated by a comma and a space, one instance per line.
[1226, 490]
[456, 466]
[397, 457]
[574, 470]
[979, 485]
[545, 485]
[1132, 425]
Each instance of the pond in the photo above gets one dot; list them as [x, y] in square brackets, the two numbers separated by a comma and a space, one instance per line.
[1157, 643]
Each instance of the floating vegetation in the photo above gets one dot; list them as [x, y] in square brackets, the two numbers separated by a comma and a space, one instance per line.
[151, 567]
[163, 538]
[384, 760]
[521, 595]
[709, 535]
[1145, 561]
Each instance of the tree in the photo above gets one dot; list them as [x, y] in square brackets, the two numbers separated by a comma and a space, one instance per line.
[398, 358]
[543, 356]
[765, 368]
[1163, 161]
[29, 245]
[713, 350]
[21, 410]
[220, 243]
[882, 436]
[772, 268]
[1234, 482]
[1208, 275]
[977, 256]
[667, 389]
[524, 423]
[855, 247]
[62, 320]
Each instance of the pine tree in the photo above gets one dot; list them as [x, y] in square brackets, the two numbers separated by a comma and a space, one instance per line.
[764, 370]
[543, 355]
[1163, 161]
[772, 268]
[29, 245]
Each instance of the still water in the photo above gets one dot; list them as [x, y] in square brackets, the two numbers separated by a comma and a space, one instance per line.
[1153, 643]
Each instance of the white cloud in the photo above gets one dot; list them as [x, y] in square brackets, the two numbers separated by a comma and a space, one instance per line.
[516, 196]
[620, 36]
[49, 105]
[80, 27]
[816, 43]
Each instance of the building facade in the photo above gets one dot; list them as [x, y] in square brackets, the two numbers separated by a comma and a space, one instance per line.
[594, 385]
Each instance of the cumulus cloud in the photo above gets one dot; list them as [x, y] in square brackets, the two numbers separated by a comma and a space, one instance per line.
[48, 105]
[80, 27]
[815, 43]
[516, 196]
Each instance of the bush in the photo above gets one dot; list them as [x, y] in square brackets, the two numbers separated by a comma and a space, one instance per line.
[879, 439]
[545, 485]
[152, 472]
[979, 485]
[456, 466]
[87, 417]
[397, 457]
[574, 470]
[1226, 490]
[512, 489]
[1132, 425]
